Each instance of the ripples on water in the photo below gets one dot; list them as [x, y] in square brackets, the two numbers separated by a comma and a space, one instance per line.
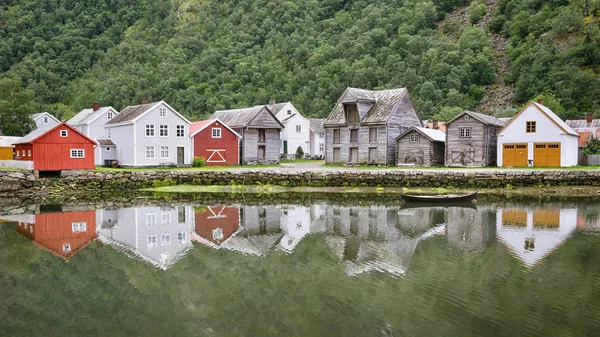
[495, 269]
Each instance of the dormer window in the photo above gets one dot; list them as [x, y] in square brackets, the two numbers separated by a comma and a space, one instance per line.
[351, 110]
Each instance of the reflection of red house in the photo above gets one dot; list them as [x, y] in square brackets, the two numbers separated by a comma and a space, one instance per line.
[62, 234]
[217, 223]
[216, 142]
[56, 148]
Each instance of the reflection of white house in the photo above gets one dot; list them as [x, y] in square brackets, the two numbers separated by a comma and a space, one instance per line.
[261, 230]
[532, 234]
[158, 235]
[295, 222]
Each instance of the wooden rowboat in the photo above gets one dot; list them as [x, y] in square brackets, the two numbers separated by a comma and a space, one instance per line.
[438, 198]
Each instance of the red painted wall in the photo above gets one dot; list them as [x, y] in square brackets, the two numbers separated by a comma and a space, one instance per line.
[52, 230]
[228, 142]
[224, 217]
[51, 152]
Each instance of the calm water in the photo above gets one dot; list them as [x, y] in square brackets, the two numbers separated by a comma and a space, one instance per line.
[500, 268]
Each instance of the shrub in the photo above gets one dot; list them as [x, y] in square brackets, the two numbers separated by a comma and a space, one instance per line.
[199, 162]
[593, 146]
[476, 12]
[299, 153]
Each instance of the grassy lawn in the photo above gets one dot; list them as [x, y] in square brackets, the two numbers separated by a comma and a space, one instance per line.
[443, 168]
[290, 161]
[204, 168]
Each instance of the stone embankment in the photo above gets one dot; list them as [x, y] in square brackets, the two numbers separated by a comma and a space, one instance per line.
[25, 183]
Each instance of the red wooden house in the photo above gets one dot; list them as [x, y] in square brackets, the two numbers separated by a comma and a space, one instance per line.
[217, 223]
[56, 148]
[62, 234]
[216, 142]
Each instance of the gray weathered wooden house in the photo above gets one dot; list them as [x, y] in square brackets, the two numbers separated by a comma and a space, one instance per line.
[260, 131]
[364, 124]
[421, 146]
[471, 139]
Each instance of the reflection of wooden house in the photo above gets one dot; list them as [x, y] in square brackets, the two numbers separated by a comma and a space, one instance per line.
[470, 228]
[216, 224]
[471, 139]
[532, 234]
[62, 234]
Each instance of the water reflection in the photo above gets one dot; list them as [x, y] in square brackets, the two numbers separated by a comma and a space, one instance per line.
[363, 238]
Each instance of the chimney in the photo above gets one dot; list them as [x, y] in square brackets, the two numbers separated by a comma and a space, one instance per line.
[271, 101]
[540, 101]
[435, 125]
[144, 100]
[589, 118]
[96, 106]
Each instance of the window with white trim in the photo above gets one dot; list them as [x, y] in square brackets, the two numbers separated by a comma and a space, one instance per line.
[465, 132]
[109, 115]
[165, 239]
[414, 138]
[217, 234]
[149, 152]
[152, 241]
[150, 219]
[180, 131]
[216, 133]
[165, 218]
[181, 237]
[64, 133]
[321, 147]
[66, 247]
[78, 227]
[321, 135]
[28, 153]
[45, 120]
[108, 133]
[17, 153]
[298, 128]
[149, 130]
[164, 152]
[289, 112]
[162, 112]
[163, 131]
[77, 153]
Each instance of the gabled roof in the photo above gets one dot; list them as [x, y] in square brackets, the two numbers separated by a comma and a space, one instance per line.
[38, 115]
[551, 115]
[384, 102]
[275, 108]
[131, 113]
[87, 116]
[485, 119]
[6, 141]
[105, 142]
[431, 134]
[39, 132]
[239, 118]
[582, 123]
[196, 127]
[316, 124]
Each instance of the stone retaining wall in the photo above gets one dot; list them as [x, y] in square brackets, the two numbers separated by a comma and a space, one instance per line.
[16, 182]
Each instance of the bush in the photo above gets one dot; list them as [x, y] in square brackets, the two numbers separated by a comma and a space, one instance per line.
[199, 162]
[299, 153]
[593, 146]
[476, 12]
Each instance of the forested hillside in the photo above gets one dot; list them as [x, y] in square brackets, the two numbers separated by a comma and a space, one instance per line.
[203, 55]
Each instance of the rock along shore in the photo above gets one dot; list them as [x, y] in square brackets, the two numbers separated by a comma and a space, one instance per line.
[24, 183]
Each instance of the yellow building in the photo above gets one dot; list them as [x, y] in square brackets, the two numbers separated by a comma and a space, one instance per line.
[6, 147]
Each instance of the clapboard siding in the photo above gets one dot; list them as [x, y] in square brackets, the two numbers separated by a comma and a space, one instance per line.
[264, 120]
[425, 152]
[251, 144]
[477, 150]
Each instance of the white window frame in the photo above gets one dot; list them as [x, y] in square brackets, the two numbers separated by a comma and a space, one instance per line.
[289, 112]
[216, 133]
[109, 115]
[78, 227]
[180, 131]
[165, 239]
[321, 135]
[321, 147]
[298, 128]
[150, 219]
[164, 149]
[45, 120]
[150, 127]
[77, 153]
[28, 153]
[66, 247]
[464, 132]
[182, 237]
[152, 241]
[165, 218]
[165, 128]
[162, 112]
[217, 234]
[149, 149]
[414, 138]
[64, 133]
[108, 133]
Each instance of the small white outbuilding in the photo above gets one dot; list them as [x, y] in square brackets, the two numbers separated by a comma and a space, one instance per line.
[537, 137]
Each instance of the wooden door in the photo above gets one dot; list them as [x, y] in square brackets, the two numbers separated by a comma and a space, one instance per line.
[336, 155]
[285, 147]
[554, 154]
[508, 155]
[521, 154]
[372, 154]
[353, 154]
[547, 154]
[261, 153]
[180, 155]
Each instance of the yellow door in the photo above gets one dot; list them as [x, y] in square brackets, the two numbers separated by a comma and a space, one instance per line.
[521, 155]
[540, 155]
[508, 155]
[554, 154]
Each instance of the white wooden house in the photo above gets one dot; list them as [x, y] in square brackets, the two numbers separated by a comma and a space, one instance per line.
[150, 134]
[537, 137]
[44, 119]
[91, 123]
[317, 138]
[296, 131]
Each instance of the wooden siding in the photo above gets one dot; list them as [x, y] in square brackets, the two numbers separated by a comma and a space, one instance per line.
[6, 153]
[227, 146]
[478, 150]
[251, 144]
[422, 153]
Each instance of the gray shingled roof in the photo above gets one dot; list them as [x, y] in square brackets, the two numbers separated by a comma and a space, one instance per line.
[485, 119]
[432, 134]
[582, 123]
[105, 142]
[130, 113]
[237, 118]
[6, 141]
[37, 115]
[384, 103]
[275, 108]
[35, 134]
[316, 124]
[85, 116]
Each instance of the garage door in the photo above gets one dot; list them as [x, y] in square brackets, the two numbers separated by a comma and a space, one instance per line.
[514, 155]
[546, 154]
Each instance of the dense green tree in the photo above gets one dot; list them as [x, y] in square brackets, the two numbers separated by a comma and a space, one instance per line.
[16, 105]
